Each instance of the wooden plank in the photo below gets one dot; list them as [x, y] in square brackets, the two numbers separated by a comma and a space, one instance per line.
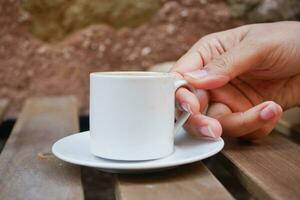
[269, 169]
[97, 184]
[187, 182]
[3, 108]
[28, 170]
[289, 125]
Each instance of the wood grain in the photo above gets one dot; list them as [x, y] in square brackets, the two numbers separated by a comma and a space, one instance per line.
[3, 108]
[28, 170]
[269, 169]
[187, 182]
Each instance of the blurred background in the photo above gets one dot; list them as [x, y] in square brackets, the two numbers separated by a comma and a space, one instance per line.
[49, 47]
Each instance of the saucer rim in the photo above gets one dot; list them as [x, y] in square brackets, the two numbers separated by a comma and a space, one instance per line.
[133, 165]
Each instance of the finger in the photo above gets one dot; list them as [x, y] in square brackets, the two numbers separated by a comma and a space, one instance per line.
[218, 110]
[203, 126]
[262, 132]
[249, 90]
[187, 101]
[227, 66]
[243, 123]
[203, 99]
[191, 61]
[209, 47]
[229, 95]
[225, 40]
[199, 55]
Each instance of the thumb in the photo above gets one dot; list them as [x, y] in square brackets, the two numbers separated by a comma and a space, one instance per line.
[225, 67]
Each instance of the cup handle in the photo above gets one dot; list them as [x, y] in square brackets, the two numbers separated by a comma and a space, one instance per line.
[185, 115]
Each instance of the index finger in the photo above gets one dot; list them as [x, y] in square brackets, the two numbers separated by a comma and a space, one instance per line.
[191, 61]
[198, 55]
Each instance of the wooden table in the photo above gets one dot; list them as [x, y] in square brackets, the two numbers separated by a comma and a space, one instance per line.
[269, 169]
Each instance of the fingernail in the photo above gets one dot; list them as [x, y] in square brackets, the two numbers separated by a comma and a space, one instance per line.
[186, 107]
[197, 74]
[206, 130]
[268, 112]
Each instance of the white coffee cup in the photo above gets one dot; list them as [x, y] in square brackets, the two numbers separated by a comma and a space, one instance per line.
[132, 114]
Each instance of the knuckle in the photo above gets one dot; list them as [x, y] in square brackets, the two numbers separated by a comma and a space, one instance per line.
[222, 63]
[243, 120]
[207, 38]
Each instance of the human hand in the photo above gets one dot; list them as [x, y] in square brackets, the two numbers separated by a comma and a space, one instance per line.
[245, 70]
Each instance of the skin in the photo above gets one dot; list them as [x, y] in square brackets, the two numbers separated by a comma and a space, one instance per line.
[245, 77]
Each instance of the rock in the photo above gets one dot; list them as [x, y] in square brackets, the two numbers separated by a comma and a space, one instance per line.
[31, 67]
[52, 20]
[145, 51]
[184, 13]
[275, 10]
[241, 8]
[171, 28]
[265, 10]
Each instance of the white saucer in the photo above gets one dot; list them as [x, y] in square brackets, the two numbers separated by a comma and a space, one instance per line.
[75, 149]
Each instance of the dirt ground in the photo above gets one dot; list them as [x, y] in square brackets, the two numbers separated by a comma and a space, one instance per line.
[31, 67]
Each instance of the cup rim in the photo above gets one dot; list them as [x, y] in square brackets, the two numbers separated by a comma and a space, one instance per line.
[131, 74]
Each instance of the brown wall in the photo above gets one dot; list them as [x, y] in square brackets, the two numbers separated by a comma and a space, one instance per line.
[30, 67]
